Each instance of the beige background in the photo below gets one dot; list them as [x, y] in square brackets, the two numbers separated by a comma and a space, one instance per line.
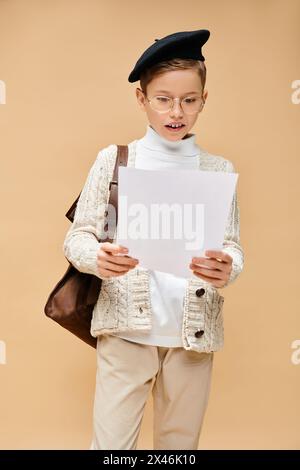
[65, 65]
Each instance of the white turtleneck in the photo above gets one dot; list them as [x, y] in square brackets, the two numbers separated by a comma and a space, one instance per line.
[154, 152]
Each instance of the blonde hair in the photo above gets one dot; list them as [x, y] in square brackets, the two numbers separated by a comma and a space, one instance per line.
[173, 64]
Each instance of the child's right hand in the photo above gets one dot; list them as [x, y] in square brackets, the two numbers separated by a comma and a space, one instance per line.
[110, 263]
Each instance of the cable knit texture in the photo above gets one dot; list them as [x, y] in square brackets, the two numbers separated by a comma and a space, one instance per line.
[124, 302]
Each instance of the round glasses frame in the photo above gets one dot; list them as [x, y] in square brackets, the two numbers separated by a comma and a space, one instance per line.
[172, 104]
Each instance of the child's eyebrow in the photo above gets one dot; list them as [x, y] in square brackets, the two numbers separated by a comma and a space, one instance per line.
[187, 93]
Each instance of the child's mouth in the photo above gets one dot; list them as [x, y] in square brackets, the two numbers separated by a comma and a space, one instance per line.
[174, 129]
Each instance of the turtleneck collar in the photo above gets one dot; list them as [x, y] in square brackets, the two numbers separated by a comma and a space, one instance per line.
[152, 140]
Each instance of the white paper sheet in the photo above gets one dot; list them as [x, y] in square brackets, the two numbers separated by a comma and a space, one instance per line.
[165, 217]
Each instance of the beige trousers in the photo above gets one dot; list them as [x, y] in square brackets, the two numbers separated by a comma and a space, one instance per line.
[127, 372]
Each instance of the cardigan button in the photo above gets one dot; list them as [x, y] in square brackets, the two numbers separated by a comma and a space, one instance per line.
[199, 333]
[200, 292]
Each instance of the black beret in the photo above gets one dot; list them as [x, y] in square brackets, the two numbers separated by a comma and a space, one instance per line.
[183, 45]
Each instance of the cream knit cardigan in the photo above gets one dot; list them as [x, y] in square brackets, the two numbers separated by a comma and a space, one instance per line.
[124, 302]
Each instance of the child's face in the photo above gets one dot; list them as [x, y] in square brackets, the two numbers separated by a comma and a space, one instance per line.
[178, 83]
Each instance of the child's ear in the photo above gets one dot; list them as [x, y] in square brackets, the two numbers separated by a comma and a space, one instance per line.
[140, 98]
[139, 93]
[205, 93]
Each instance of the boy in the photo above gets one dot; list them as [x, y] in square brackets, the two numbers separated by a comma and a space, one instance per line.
[156, 332]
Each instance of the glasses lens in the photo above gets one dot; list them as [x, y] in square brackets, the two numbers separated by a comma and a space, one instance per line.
[163, 104]
[191, 105]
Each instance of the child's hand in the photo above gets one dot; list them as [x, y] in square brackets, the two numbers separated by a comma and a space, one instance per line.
[110, 263]
[216, 271]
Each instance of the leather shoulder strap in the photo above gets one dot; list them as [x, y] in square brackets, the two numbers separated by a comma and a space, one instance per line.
[121, 160]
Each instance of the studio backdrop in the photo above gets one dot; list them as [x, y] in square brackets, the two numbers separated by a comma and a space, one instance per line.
[64, 95]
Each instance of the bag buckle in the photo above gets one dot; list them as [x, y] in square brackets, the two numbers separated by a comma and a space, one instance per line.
[112, 182]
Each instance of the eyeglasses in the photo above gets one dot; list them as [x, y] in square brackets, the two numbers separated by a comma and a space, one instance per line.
[163, 104]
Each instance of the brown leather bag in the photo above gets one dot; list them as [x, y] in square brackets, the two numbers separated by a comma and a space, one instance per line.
[72, 300]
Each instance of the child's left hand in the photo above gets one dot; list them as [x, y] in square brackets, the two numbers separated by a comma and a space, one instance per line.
[217, 271]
